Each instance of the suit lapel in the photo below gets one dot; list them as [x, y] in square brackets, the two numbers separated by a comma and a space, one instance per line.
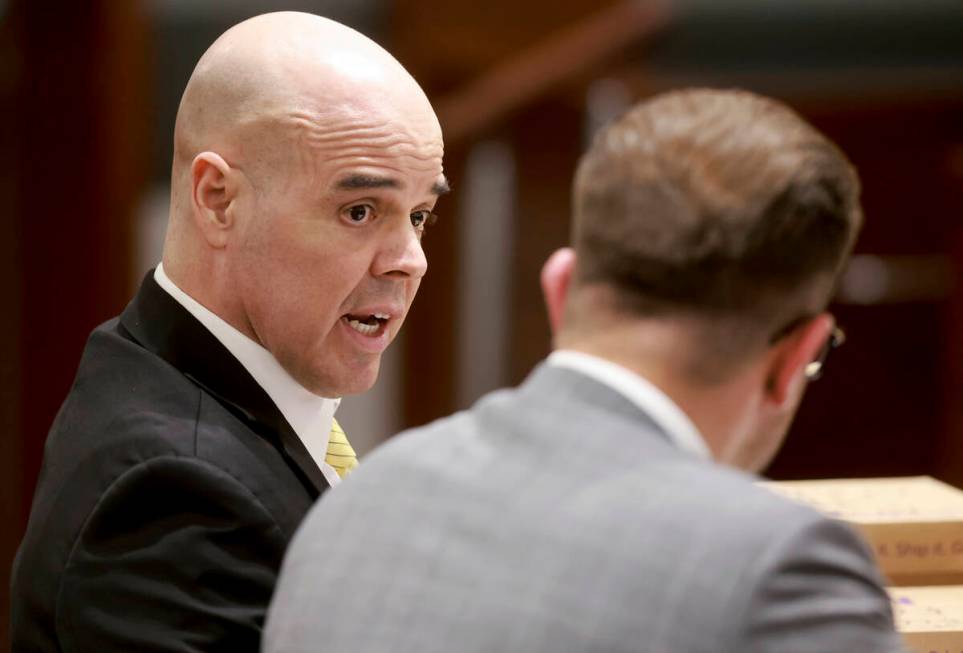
[161, 325]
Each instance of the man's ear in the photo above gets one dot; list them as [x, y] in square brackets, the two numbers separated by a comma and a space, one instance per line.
[212, 190]
[792, 353]
[556, 276]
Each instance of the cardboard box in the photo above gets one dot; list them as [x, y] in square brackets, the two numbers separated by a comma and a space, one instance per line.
[930, 618]
[914, 525]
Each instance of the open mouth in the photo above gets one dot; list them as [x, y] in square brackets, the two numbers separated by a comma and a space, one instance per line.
[368, 325]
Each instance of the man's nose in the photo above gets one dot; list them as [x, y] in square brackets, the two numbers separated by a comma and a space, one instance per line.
[401, 254]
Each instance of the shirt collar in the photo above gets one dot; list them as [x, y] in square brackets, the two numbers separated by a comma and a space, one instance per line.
[650, 399]
[308, 414]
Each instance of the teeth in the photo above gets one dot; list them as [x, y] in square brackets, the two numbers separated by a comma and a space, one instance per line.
[382, 316]
[366, 329]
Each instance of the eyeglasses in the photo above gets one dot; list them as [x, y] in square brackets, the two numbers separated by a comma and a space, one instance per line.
[814, 370]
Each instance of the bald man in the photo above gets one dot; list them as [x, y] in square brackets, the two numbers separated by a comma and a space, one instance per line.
[200, 427]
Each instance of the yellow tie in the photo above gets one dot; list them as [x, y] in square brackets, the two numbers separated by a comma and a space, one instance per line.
[340, 455]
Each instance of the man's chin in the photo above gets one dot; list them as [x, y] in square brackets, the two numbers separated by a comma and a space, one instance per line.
[340, 376]
[351, 381]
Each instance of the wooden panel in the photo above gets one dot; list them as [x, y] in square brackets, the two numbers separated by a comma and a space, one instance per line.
[78, 121]
[557, 60]
[11, 442]
[950, 452]
[79, 160]
[884, 405]
[429, 369]
[446, 44]
[548, 141]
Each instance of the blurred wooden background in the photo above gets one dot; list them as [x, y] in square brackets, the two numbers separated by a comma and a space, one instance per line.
[89, 92]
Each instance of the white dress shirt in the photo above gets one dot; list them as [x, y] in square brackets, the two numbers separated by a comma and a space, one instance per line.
[652, 401]
[308, 414]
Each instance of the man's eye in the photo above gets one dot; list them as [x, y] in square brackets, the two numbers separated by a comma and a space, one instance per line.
[359, 213]
[423, 218]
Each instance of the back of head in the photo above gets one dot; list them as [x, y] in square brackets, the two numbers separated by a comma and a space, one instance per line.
[720, 206]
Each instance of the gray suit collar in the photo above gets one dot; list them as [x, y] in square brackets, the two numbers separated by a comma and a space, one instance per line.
[571, 389]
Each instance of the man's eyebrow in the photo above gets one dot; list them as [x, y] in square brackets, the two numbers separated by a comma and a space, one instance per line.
[441, 187]
[355, 182]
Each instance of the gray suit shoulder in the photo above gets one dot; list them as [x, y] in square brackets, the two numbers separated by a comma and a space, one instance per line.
[807, 583]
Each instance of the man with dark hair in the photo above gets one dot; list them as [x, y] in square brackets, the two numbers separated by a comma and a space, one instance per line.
[200, 427]
[609, 502]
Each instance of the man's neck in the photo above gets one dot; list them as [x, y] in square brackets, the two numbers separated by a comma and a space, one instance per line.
[203, 283]
[661, 353]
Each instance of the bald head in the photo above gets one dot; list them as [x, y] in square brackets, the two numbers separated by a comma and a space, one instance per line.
[284, 76]
[306, 163]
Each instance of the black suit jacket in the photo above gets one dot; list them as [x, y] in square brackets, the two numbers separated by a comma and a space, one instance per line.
[170, 487]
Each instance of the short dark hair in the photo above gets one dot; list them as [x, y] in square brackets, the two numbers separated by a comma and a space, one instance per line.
[713, 202]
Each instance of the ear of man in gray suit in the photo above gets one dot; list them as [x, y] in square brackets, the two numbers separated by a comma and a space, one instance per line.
[609, 502]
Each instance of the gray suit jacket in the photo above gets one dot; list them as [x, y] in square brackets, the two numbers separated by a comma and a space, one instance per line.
[557, 517]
